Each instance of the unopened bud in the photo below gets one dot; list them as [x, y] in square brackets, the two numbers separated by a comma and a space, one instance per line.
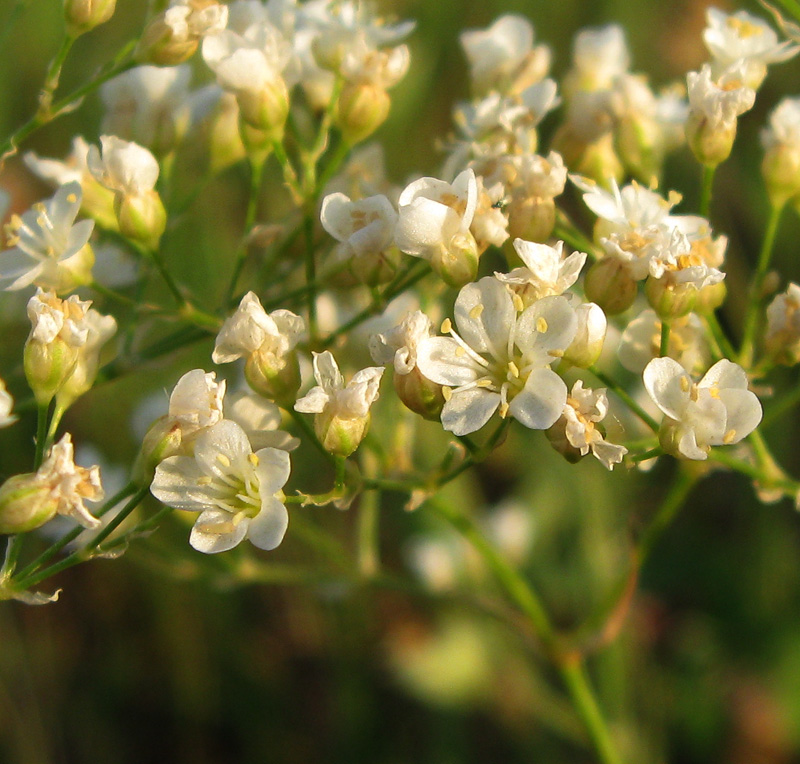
[374, 269]
[670, 300]
[588, 343]
[419, 394]
[640, 146]
[160, 45]
[557, 437]
[26, 503]
[360, 111]
[457, 264]
[266, 109]
[163, 439]
[142, 217]
[274, 377]
[84, 15]
[710, 297]
[531, 219]
[47, 366]
[609, 284]
[781, 171]
[711, 144]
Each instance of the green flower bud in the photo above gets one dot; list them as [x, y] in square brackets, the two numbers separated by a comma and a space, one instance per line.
[142, 218]
[609, 284]
[360, 111]
[338, 435]
[84, 15]
[266, 109]
[457, 264]
[710, 144]
[47, 366]
[670, 300]
[419, 394]
[163, 439]
[274, 377]
[26, 503]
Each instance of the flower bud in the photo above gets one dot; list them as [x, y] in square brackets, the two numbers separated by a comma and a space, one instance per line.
[457, 264]
[84, 15]
[142, 218]
[609, 284]
[711, 144]
[162, 440]
[160, 45]
[25, 504]
[338, 435]
[640, 146]
[670, 300]
[419, 394]
[781, 171]
[361, 110]
[274, 377]
[47, 366]
[710, 297]
[531, 219]
[266, 109]
[557, 437]
[588, 343]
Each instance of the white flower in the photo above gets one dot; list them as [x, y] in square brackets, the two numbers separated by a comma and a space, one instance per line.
[538, 176]
[641, 342]
[251, 329]
[53, 318]
[583, 410]
[332, 397]
[718, 410]
[784, 126]
[547, 271]
[782, 335]
[490, 223]
[237, 492]
[6, 404]
[501, 359]
[383, 69]
[501, 52]
[260, 419]
[49, 248]
[719, 101]
[124, 167]
[196, 401]
[365, 226]
[742, 36]
[599, 56]
[677, 263]
[189, 19]
[149, 105]
[69, 484]
[399, 346]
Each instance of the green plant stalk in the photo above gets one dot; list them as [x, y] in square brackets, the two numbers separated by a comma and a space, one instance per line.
[706, 186]
[256, 177]
[54, 75]
[665, 327]
[41, 434]
[626, 398]
[368, 534]
[67, 538]
[570, 666]
[80, 555]
[754, 303]
[311, 275]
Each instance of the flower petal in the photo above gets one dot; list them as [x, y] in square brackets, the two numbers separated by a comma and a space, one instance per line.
[541, 401]
[273, 470]
[443, 361]
[468, 410]
[268, 527]
[668, 384]
[485, 314]
[217, 531]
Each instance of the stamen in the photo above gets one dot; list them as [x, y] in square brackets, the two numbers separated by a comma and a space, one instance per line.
[519, 306]
[460, 352]
[447, 392]
[514, 369]
[730, 436]
[684, 385]
[253, 459]
[541, 325]
[476, 311]
[503, 410]
[447, 326]
[204, 480]
[223, 460]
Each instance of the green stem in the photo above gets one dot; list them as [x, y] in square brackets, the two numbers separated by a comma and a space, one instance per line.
[717, 334]
[303, 424]
[54, 75]
[256, 177]
[665, 327]
[707, 184]
[13, 548]
[522, 593]
[757, 287]
[69, 537]
[41, 434]
[781, 406]
[55, 421]
[82, 555]
[311, 276]
[332, 167]
[368, 536]
[626, 398]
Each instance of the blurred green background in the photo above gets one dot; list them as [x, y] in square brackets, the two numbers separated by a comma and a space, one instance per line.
[164, 657]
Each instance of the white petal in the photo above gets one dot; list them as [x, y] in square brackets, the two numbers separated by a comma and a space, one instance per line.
[222, 448]
[273, 470]
[744, 413]
[268, 527]
[326, 372]
[485, 314]
[175, 484]
[468, 410]
[313, 402]
[725, 374]
[541, 401]
[214, 531]
[443, 361]
[548, 324]
[668, 384]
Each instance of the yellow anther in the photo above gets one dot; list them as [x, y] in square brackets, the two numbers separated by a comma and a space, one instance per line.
[730, 436]
[504, 410]
[514, 369]
[223, 460]
[519, 306]
[204, 480]
[541, 325]
[72, 198]
[253, 459]
[447, 392]
[556, 353]
[447, 326]
[476, 311]
[674, 198]
[484, 382]
[460, 352]
[685, 384]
